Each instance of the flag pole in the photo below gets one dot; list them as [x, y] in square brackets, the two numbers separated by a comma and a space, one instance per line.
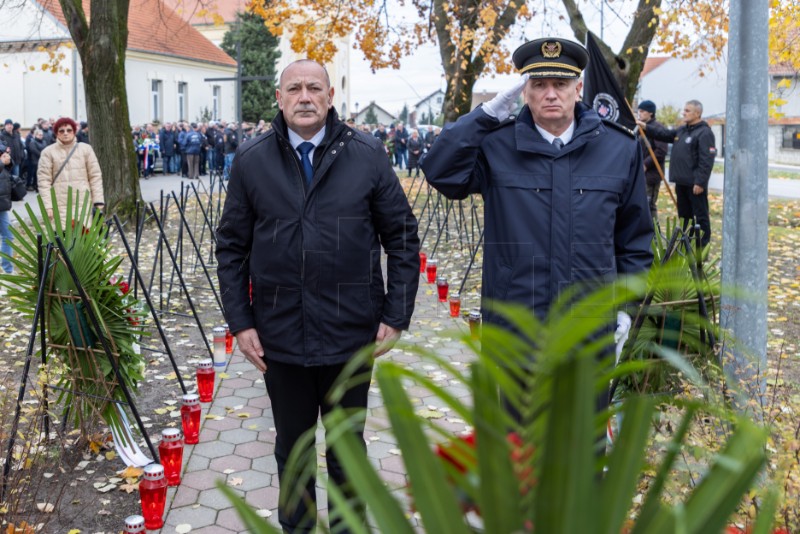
[655, 160]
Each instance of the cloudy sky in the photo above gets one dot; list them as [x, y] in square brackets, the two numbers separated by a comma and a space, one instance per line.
[422, 74]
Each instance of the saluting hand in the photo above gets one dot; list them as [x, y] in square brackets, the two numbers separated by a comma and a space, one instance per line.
[250, 346]
[501, 106]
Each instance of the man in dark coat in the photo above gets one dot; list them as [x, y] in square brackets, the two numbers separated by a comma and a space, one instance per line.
[10, 137]
[563, 190]
[690, 164]
[647, 114]
[310, 205]
[166, 140]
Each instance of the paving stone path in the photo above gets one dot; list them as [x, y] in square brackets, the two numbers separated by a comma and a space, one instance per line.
[238, 448]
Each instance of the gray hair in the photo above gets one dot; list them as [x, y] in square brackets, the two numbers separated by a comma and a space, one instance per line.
[697, 105]
[327, 76]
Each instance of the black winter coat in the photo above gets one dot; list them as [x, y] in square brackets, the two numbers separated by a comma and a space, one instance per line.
[5, 188]
[15, 142]
[660, 149]
[314, 253]
[415, 150]
[552, 218]
[166, 142]
[693, 152]
[35, 148]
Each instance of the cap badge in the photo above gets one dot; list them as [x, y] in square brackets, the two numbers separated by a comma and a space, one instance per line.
[551, 50]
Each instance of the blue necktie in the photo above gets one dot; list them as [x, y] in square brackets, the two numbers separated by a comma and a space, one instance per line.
[558, 143]
[305, 148]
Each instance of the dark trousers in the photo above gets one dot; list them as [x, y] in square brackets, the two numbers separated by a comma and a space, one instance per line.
[694, 207]
[652, 198]
[298, 396]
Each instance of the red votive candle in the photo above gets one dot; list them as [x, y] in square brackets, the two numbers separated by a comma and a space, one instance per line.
[205, 380]
[455, 304]
[171, 452]
[441, 287]
[134, 524]
[228, 339]
[431, 270]
[423, 261]
[190, 418]
[153, 494]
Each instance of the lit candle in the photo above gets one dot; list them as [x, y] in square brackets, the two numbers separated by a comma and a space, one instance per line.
[431, 270]
[205, 380]
[190, 418]
[455, 304]
[219, 346]
[228, 339]
[153, 495]
[134, 524]
[441, 287]
[423, 261]
[171, 452]
[475, 323]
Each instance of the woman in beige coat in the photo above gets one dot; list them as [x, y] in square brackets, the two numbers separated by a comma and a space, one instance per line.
[81, 172]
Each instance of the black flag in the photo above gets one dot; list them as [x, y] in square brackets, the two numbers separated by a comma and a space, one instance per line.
[600, 89]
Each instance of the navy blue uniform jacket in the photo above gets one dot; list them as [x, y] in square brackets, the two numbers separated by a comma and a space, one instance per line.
[552, 218]
[314, 253]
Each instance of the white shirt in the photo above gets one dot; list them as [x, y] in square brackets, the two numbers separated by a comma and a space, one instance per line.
[565, 137]
[295, 140]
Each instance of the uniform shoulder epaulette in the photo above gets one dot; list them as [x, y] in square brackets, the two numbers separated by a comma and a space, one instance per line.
[620, 128]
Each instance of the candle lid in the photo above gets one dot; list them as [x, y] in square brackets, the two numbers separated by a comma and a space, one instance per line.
[432, 260]
[170, 435]
[475, 314]
[225, 326]
[218, 330]
[441, 280]
[191, 399]
[455, 295]
[154, 472]
[134, 524]
[208, 363]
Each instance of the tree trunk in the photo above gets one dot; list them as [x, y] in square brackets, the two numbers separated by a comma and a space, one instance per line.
[464, 64]
[628, 64]
[102, 48]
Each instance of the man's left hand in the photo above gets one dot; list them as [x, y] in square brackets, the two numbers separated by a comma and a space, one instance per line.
[385, 340]
[697, 190]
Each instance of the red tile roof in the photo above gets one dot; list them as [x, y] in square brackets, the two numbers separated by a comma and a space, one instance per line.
[202, 12]
[155, 28]
[652, 63]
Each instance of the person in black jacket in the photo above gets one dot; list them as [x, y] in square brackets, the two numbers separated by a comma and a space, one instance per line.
[647, 114]
[10, 137]
[35, 146]
[690, 164]
[563, 190]
[5, 207]
[310, 205]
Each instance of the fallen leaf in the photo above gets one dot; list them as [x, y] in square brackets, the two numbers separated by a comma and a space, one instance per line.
[129, 488]
[235, 481]
[131, 472]
[263, 513]
[183, 528]
[45, 507]
[110, 455]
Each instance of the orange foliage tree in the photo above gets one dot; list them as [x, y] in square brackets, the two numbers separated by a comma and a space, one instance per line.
[470, 33]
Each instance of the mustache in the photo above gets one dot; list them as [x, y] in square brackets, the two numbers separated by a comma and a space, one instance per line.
[305, 107]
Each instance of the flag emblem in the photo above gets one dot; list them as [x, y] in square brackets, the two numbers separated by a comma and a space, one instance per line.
[606, 106]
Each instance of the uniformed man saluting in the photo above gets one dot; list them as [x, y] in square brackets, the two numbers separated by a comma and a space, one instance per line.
[564, 191]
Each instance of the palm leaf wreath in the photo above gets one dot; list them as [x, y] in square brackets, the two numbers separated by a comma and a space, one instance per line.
[85, 379]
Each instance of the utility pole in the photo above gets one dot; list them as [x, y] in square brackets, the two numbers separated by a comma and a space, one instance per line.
[745, 227]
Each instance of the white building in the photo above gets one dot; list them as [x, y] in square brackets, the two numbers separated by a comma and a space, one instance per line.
[166, 65]
[383, 116]
[430, 106]
[673, 82]
[214, 23]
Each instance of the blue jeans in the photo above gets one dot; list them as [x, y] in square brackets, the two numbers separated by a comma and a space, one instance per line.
[226, 172]
[401, 157]
[5, 246]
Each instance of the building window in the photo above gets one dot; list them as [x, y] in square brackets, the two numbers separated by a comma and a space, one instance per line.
[183, 94]
[791, 137]
[215, 97]
[439, 99]
[156, 99]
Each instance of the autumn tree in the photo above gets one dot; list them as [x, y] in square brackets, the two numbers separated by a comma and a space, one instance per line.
[259, 54]
[101, 38]
[469, 34]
